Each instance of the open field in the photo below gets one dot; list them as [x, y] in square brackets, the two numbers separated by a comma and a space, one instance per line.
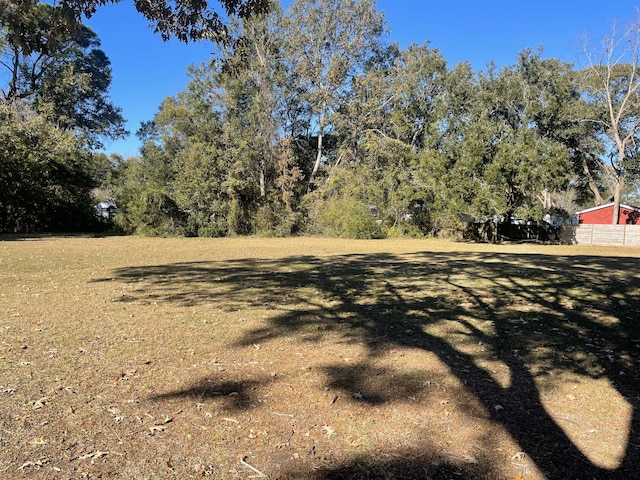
[317, 359]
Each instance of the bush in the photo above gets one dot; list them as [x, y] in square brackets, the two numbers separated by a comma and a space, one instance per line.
[272, 220]
[404, 230]
[347, 218]
[153, 214]
[45, 175]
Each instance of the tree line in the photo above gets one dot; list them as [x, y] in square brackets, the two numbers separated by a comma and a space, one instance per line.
[313, 121]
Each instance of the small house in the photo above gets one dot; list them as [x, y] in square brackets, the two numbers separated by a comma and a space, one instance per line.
[603, 214]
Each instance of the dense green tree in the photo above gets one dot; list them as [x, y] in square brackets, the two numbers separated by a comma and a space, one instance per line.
[66, 77]
[507, 158]
[328, 43]
[558, 113]
[177, 186]
[405, 144]
[186, 20]
[231, 172]
[193, 137]
[141, 187]
[74, 92]
[391, 125]
[246, 98]
[55, 80]
[44, 173]
[102, 165]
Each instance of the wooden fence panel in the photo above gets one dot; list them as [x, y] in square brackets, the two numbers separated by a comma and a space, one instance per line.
[632, 238]
[609, 235]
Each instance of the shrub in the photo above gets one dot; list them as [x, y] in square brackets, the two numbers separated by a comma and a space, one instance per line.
[273, 220]
[347, 218]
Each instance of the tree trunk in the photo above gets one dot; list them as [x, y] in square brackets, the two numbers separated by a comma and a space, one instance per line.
[263, 188]
[617, 193]
[316, 165]
[618, 178]
[593, 186]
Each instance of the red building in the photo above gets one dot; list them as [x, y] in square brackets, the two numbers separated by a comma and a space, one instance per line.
[602, 215]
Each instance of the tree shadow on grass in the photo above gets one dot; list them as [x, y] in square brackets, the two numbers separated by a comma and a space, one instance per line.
[238, 395]
[411, 465]
[542, 316]
[374, 385]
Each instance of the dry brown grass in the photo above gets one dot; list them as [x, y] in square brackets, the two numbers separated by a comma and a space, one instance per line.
[317, 358]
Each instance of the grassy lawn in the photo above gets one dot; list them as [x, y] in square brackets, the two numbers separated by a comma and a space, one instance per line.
[317, 359]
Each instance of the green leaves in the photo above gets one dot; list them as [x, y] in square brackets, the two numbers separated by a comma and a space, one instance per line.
[311, 116]
[328, 42]
[515, 143]
[58, 70]
[44, 173]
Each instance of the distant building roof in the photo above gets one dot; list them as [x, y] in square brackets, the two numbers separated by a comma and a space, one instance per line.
[608, 205]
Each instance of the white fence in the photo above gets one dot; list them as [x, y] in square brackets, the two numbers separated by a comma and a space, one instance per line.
[611, 235]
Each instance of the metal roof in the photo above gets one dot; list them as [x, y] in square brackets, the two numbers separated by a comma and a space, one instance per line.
[607, 205]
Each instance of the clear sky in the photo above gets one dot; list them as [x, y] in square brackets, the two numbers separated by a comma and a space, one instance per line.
[146, 70]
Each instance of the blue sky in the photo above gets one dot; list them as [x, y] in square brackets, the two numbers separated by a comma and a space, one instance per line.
[146, 70]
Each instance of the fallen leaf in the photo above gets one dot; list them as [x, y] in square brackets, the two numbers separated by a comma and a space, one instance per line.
[38, 463]
[96, 454]
[38, 441]
[255, 433]
[156, 428]
[328, 431]
[519, 456]
[39, 403]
